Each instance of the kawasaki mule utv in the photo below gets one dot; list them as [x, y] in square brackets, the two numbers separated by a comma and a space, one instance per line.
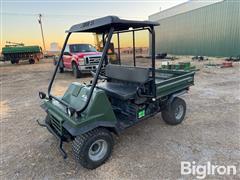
[115, 99]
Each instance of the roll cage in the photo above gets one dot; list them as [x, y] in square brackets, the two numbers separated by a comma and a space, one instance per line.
[107, 26]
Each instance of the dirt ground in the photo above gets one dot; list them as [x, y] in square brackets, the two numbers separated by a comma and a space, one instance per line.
[150, 150]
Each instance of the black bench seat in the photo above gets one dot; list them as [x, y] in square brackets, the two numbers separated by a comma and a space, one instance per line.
[118, 90]
[123, 81]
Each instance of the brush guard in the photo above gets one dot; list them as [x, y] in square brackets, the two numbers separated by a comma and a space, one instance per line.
[60, 139]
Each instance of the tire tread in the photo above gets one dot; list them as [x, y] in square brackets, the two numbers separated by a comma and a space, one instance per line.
[79, 143]
[168, 114]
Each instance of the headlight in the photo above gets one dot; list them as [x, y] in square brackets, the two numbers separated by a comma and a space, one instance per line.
[81, 61]
[70, 111]
[42, 95]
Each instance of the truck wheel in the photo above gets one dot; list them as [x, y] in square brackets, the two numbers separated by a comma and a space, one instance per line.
[175, 113]
[93, 148]
[76, 71]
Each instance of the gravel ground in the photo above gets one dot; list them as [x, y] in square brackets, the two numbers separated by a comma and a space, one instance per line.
[150, 150]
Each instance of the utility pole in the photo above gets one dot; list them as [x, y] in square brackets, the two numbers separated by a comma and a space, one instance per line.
[40, 22]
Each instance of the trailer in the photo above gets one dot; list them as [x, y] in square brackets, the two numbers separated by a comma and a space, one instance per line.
[15, 52]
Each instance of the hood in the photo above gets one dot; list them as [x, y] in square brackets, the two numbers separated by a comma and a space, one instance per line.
[82, 54]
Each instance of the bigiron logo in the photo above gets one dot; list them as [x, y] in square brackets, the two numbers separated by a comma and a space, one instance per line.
[208, 169]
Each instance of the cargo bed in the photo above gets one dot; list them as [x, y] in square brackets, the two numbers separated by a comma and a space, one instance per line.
[172, 81]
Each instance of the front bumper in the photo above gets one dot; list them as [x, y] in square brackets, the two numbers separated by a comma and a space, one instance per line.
[87, 68]
[55, 134]
[66, 127]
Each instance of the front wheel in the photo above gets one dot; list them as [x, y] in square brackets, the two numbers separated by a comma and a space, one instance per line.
[175, 113]
[13, 61]
[76, 71]
[93, 148]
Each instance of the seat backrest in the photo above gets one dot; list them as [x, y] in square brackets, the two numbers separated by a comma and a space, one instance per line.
[127, 73]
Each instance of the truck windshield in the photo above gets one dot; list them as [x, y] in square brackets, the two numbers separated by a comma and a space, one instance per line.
[74, 48]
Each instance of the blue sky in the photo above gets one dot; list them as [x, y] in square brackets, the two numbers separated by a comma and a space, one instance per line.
[19, 18]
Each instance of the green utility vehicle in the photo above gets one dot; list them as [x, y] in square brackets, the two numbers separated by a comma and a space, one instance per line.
[115, 99]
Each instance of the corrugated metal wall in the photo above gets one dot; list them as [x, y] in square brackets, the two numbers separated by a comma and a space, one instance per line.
[212, 30]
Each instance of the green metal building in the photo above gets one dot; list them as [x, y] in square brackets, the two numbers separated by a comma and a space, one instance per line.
[210, 28]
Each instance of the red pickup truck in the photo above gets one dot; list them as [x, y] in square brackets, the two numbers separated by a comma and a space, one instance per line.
[80, 58]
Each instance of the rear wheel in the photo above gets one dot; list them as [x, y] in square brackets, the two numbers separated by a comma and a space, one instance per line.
[61, 70]
[31, 61]
[16, 61]
[76, 71]
[175, 113]
[93, 148]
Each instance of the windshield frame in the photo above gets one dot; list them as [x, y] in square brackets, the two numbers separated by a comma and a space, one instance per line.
[106, 42]
[95, 79]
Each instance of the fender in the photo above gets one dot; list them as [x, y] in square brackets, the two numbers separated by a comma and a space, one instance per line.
[74, 59]
[81, 130]
[170, 100]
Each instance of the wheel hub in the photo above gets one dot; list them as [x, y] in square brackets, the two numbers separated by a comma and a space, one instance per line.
[179, 112]
[98, 150]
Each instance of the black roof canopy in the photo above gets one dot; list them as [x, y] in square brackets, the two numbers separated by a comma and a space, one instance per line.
[103, 24]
